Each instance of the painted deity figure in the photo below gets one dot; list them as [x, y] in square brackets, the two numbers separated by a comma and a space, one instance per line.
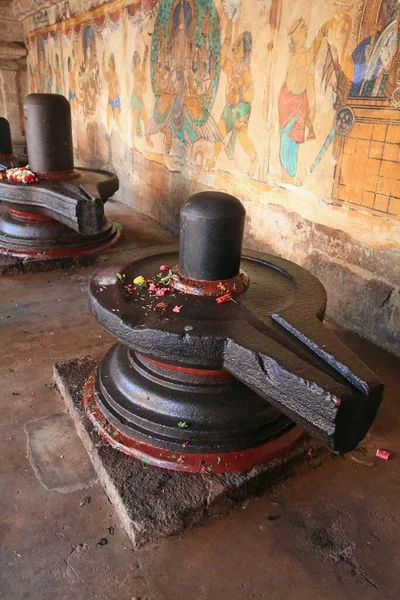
[45, 70]
[181, 43]
[89, 82]
[72, 95]
[34, 76]
[57, 75]
[296, 105]
[239, 95]
[373, 56]
[162, 71]
[114, 101]
[200, 74]
[179, 113]
[139, 113]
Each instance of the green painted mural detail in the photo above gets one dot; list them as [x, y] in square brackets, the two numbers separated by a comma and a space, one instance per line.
[185, 71]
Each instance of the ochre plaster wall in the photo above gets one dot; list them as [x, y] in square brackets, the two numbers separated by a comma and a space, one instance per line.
[291, 105]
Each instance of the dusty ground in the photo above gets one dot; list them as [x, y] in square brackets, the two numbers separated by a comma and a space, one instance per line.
[337, 535]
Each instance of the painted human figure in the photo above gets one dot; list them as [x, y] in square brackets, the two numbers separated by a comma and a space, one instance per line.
[89, 81]
[49, 76]
[57, 76]
[162, 71]
[114, 101]
[181, 43]
[45, 73]
[296, 103]
[239, 95]
[72, 95]
[338, 37]
[139, 113]
[200, 74]
[34, 75]
[373, 56]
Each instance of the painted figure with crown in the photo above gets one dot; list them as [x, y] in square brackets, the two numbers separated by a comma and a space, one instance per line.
[185, 68]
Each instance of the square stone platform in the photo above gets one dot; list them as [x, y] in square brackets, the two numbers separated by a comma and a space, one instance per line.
[152, 502]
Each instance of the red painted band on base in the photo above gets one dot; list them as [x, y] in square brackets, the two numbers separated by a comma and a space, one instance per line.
[208, 464]
[71, 253]
[53, 175]
[25, 216]
[189, 370]
[202, 287]
[8, 156]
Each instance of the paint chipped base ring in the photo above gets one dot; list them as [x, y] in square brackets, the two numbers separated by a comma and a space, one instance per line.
[226, 462]
[40, 237]
[61, 253]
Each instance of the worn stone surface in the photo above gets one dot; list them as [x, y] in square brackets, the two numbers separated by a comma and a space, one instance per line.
[153, 502]
[56, 455]
[362, 283]
[338, 525]
[370, 305]
[13, 72]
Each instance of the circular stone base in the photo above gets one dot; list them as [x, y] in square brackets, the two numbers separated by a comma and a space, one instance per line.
[35, 236]
[206, 463]
[183, 418]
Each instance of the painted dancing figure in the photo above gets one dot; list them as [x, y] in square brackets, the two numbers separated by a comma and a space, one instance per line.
[114, 101]
[139, 113]
[238, 96]
[296, 103]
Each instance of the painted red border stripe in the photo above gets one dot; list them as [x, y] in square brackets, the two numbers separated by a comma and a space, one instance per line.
[28, 216]
[189, 370]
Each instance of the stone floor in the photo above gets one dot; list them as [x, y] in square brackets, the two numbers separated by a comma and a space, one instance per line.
[337, 535]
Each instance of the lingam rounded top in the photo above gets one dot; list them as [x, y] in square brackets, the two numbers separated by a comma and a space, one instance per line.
[5, 137]
[211, 236]
[268, 335]
[49, 133]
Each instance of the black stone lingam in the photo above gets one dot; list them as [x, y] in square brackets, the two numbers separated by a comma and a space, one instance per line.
[8, 159]
[222, 362]
[63, 214]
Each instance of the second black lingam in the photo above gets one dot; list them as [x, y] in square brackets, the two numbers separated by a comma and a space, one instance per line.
[8, 159]
[60, 211]
[222, 360]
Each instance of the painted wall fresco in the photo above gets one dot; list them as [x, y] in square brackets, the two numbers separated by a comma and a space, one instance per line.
[338, 107]
[298, 94]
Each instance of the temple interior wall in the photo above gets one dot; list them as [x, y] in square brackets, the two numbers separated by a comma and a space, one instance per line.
[13, 74]
[293, 106]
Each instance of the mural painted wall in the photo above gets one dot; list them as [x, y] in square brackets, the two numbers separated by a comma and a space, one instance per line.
[294, 106]
[204, 85]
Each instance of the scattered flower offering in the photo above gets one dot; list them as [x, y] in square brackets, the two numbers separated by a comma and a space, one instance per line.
[161, 306]
[21, 175]
[383, 454]
[221, 287]
[157, 287]
[140, 281]
[223, 299]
